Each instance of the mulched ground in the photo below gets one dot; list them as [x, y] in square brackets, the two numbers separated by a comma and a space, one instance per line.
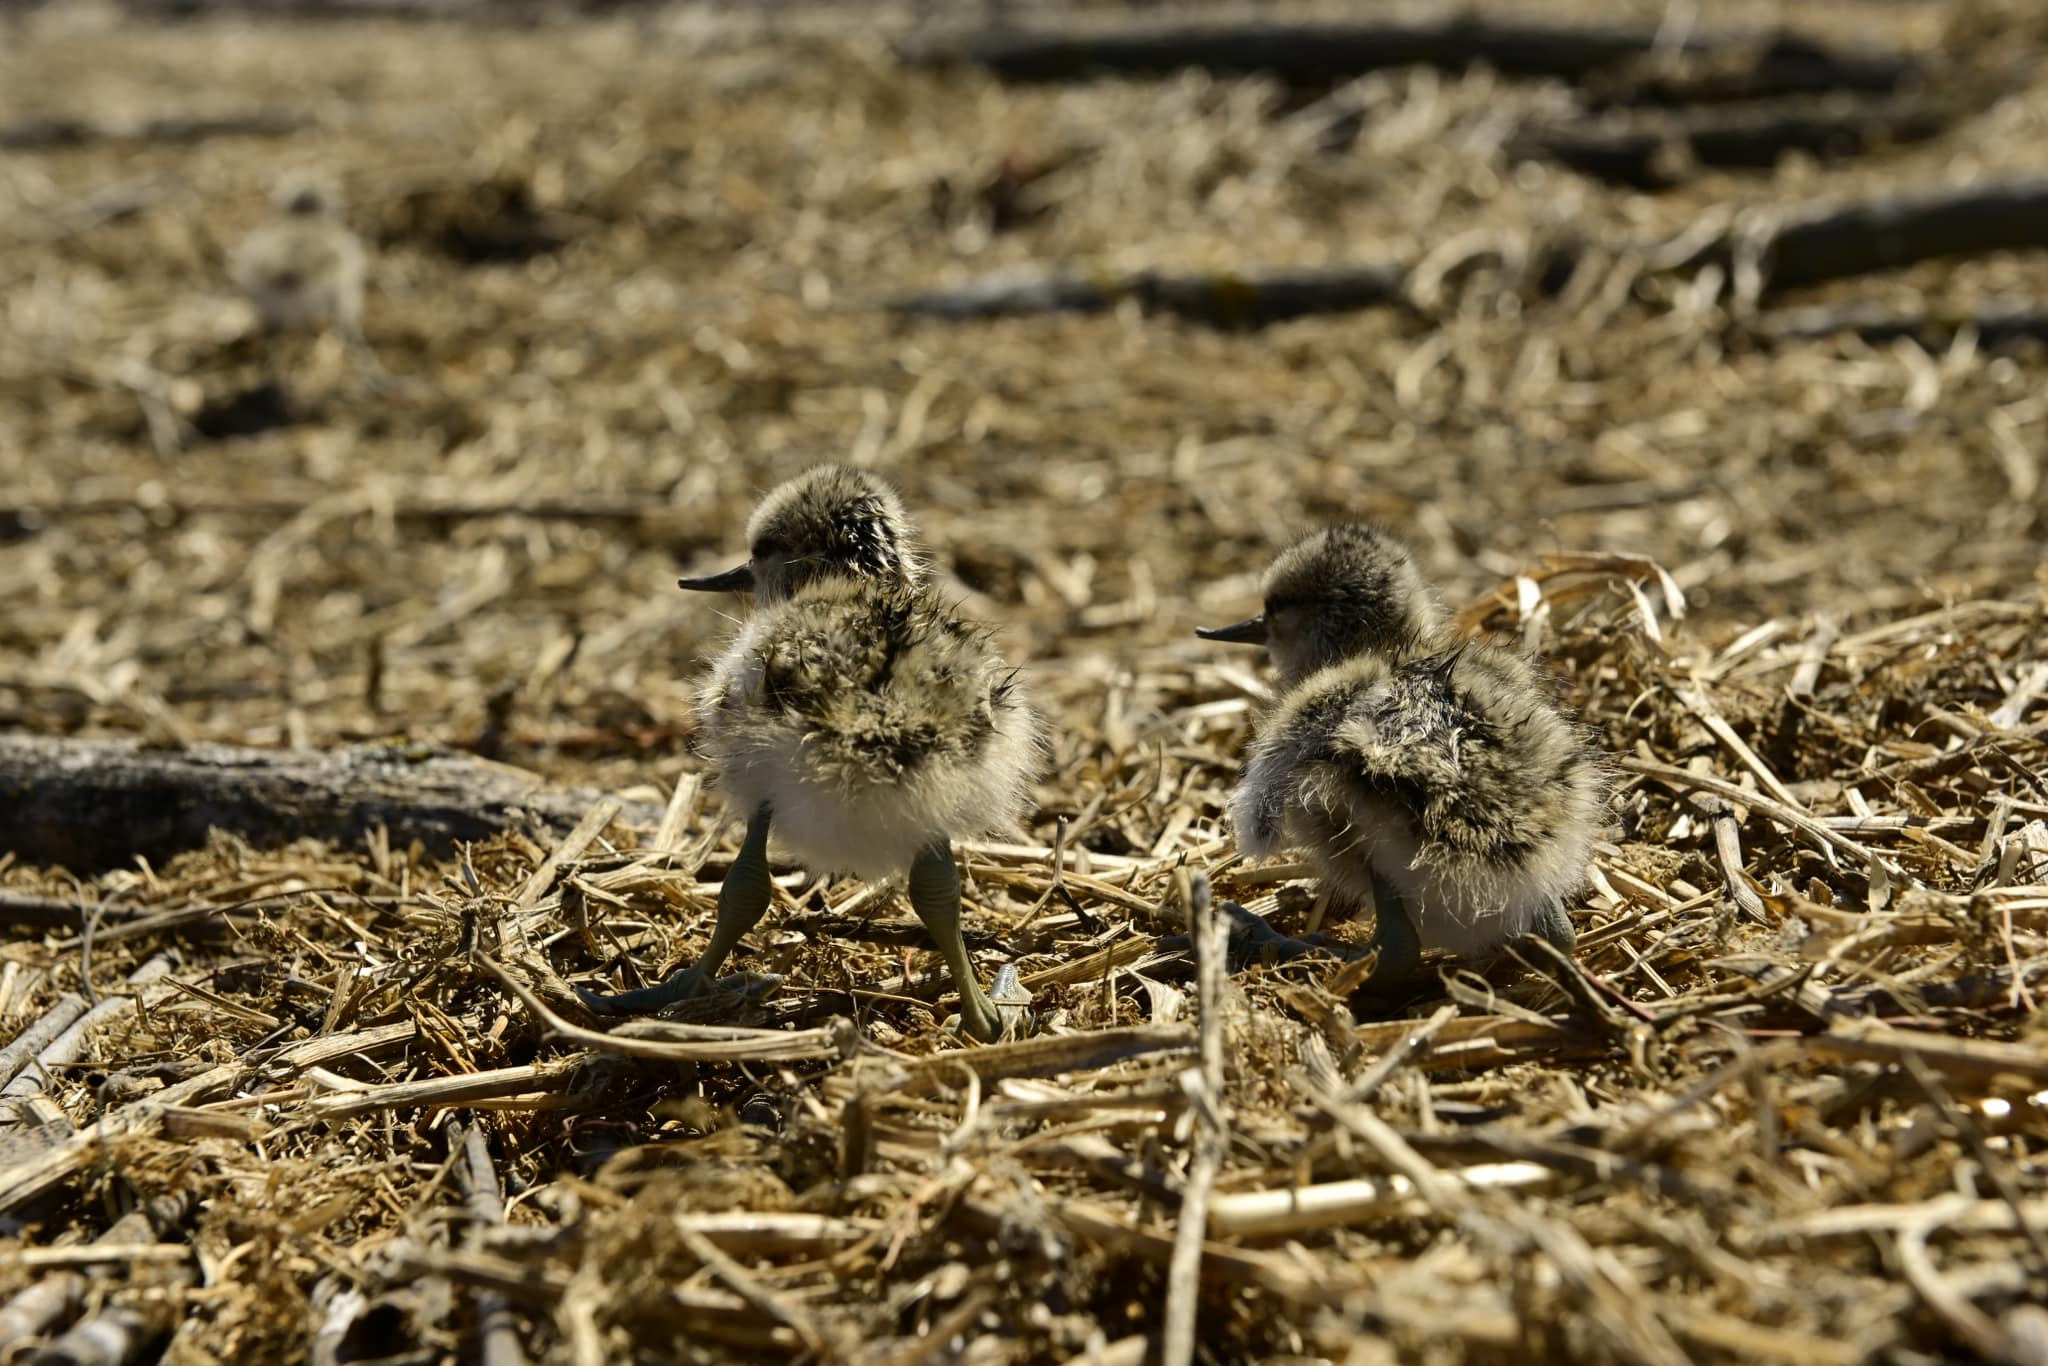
[1791, 1104]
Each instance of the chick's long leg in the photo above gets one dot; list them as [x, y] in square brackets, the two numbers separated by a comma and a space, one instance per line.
[1556, 926]
[742, 901]
[1393, 934]
[935, 896]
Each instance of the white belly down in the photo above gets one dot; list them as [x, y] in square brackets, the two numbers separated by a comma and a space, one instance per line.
[874, 829]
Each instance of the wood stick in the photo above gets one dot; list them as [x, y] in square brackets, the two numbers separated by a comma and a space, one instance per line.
[1051, 1056]
[569, 850]
[1959, 1214]
[327, 1048]
[1761, 803]
[1332, 1205]
[1111, 1228]
[52, 912]
[528, 1079]
[1973, 1059]
[43, 134]
[95, 1254]
[19, 517]
[663, 1041]
[751, 1233]
[1996, 324]
[32, 1312]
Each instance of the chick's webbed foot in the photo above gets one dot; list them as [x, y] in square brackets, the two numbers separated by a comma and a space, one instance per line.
[681, 985]
[935, 896]
[1012, 1000]
[1253, 940]
[742, 901]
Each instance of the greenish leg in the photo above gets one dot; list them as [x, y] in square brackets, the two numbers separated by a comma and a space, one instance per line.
[1393, 934]
[1555, 926]
[742, 901]
[935, 896]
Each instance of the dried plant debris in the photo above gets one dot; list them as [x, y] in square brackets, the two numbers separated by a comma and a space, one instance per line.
[375, 731]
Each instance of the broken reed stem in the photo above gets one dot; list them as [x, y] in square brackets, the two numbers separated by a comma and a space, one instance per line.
[497, 1323]
[531, 1080]
[24, 1179]
[69, 1045]
[1778, 811]
[95, 1254]
[660, 1041]
[39, 1035]
[1402, 1051]
[1342, 1204]
[1961, 1215]
[1205, 1116]
[568, 851]
[751, 1289]
[1971, 1324]
[1993, 1167]
[1050, 1056]
[675, 818]
[127, 1241]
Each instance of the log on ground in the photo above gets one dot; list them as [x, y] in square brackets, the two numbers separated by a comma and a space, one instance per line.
[1996, 325]
[1654, 150]
[1223, 299]
[93, 804]
[1739, 70]
[1308, 54]
[1815, 246]
[49, 134]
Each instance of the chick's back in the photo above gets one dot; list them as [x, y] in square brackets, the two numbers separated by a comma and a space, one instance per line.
[1452, 777]
[1497, 774]
[871, 720]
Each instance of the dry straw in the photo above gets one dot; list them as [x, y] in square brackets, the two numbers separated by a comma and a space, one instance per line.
[1788, 1103]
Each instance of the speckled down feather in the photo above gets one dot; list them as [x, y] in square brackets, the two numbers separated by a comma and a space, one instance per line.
[1345, 591]
[1451, 775]
[871, 720]
[304, 268]
[831, 521]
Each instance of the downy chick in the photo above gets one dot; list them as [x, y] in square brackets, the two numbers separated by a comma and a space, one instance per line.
[1432, 779]
[859, 717]
[304, 268]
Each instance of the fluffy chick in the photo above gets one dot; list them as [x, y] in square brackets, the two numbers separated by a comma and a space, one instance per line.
[1434, 781]
[857, 716]
[304, 268]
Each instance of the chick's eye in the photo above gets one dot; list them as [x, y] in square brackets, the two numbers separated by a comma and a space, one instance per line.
[764, 548]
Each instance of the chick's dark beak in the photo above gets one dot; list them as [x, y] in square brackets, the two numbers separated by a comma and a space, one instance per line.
[1250, 631]
[737, 580]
